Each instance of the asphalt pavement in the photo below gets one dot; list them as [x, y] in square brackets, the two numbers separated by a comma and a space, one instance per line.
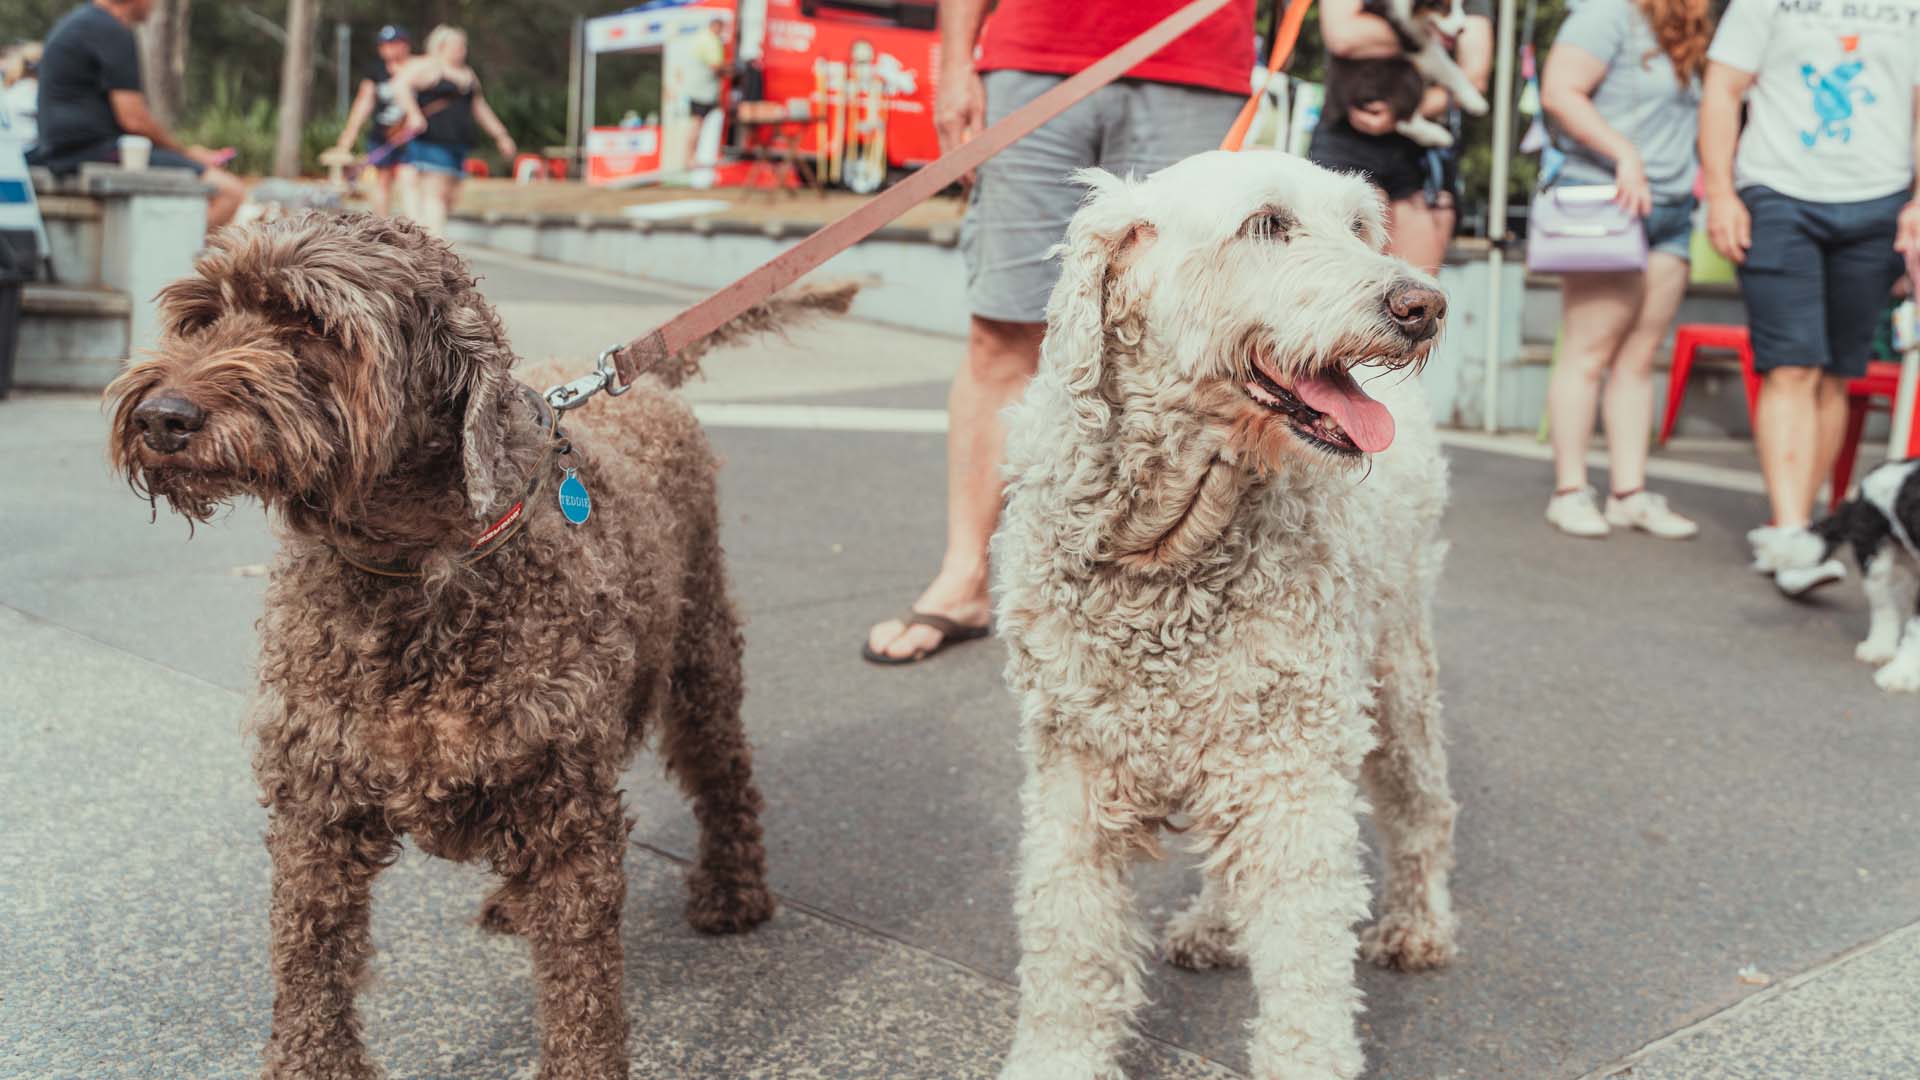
[1687, 846]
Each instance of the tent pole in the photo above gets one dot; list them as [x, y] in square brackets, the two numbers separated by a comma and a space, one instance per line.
[1497, 210]
[575, 50]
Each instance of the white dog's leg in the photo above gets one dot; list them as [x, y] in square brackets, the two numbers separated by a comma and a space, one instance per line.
[1406, 779]
[1902, 673]
[1884, 606]
[1203, 936]
[1425, 132]
[1080, 938]
[1437, 67]
[1292, 858]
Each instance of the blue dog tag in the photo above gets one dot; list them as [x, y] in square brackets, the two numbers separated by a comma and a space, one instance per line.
[574, 501]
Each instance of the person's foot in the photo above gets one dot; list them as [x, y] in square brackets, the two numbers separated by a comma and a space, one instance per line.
[1797, 582]
[1574, 513]
[965, 604]
[1783, 547]
[1650, 514]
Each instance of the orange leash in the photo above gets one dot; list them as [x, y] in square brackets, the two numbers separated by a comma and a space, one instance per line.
[1285, 37]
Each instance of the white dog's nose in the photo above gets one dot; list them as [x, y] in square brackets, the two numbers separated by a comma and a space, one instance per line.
[1417, 310]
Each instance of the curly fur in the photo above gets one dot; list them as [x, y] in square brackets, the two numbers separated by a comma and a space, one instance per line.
[354, 380]
[1209, 615]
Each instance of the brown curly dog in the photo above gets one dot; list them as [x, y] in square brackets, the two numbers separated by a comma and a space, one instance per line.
[444, 656]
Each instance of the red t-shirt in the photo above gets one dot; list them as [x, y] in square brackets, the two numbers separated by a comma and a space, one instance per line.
[1059, 37]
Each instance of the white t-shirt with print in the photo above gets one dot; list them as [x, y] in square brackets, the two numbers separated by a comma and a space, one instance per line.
[1830, 118]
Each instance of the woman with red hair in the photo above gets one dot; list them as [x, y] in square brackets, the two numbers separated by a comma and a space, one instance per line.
[1621, 90]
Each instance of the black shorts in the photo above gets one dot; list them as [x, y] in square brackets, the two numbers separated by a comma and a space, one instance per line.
[1393, 163]
[1818, 278]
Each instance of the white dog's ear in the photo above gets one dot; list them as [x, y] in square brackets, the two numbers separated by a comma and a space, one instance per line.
[1107, 227]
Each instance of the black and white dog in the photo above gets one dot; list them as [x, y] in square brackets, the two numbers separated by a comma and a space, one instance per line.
[1883, 528]
[1425, 29]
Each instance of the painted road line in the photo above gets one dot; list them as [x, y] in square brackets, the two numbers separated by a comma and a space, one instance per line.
[822, 418]
[1683, 472]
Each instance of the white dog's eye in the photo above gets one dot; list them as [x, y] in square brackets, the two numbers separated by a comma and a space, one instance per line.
[1270, 225]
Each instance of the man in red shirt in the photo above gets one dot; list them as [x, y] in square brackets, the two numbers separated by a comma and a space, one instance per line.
[1174, 105]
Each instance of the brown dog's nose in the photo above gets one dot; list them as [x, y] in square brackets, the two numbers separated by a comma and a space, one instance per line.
[1417, 310]
[167, 420]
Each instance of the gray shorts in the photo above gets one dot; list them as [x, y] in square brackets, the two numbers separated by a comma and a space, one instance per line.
[1023, 198]
[1818, 279]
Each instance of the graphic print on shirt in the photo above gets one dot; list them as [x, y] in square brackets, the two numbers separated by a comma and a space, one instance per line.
[1836, 94]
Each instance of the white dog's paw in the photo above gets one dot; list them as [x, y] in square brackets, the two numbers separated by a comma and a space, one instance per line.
[1875, 651]
[1198, 943]
[1404, 942]
[1426, 133]
[1472, 101]
[1899, 677]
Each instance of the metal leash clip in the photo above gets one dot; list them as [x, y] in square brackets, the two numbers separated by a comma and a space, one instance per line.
[604, 379]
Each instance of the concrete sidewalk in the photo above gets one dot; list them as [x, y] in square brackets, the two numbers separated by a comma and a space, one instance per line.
[1669, 777]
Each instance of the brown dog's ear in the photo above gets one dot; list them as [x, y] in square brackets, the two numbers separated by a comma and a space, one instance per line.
[1107, 226]
[483, 438]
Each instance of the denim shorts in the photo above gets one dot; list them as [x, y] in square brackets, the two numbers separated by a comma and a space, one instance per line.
[1023, 198]
[1670, 229]
[1817, 279]
[436, 157]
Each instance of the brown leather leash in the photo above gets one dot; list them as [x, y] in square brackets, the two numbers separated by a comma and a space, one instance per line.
[656, 346]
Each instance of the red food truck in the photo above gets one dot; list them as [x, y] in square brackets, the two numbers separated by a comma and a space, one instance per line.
[844, 85]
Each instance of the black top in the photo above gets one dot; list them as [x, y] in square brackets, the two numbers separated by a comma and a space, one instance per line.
[449, 110]
[387, 113]
[88, 54]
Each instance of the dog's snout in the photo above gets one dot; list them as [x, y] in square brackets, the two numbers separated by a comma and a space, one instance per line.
[1417, 310]
[167, 421]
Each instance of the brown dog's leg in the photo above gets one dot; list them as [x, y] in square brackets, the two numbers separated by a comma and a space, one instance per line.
[322, 880]
[564, 896]
[706, 747]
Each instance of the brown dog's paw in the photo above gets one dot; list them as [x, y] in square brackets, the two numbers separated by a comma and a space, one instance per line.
[1402, 942]
[494, 917]
[714, 907]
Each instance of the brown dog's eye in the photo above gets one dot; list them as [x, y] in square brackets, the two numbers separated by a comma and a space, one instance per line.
[1271, 225]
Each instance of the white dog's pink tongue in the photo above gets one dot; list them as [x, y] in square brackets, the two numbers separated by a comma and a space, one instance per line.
[1366, 421]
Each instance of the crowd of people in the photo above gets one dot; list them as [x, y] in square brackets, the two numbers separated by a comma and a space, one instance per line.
[79, 97]
[1797, 122]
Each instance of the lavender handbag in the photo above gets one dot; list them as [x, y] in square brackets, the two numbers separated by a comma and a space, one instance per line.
[1579, 229]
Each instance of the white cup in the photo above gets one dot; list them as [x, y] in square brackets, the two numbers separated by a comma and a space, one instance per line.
[134, 152]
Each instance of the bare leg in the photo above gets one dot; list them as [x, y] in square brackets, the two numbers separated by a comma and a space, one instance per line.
[1628, 407]
[1830, 430]
[1598, 310]
[382, 192]
[322, 885]
[436, 197]
[1787, 431]
[564, 895]
[1080, 937]
[1419, 233]
[229, 191]
[1406, 779]
[1001, 358]
[1291, 861]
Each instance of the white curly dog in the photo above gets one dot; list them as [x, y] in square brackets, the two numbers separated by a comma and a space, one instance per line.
[1214, 581]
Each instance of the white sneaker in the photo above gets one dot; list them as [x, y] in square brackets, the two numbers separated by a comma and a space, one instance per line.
[1649, 513]
[1797, 582]
[1574, 513]
[1777, 548]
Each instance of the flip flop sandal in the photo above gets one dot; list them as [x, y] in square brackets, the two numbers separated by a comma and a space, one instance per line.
[951, 633]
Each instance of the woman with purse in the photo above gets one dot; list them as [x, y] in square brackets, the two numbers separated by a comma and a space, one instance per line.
[1621, 90]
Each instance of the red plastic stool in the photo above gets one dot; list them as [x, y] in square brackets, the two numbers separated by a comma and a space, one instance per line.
[1688, 340]
[1882, 380]
[476, 167]
[557, 168]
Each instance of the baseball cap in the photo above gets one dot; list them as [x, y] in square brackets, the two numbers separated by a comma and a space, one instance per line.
[391, 32]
